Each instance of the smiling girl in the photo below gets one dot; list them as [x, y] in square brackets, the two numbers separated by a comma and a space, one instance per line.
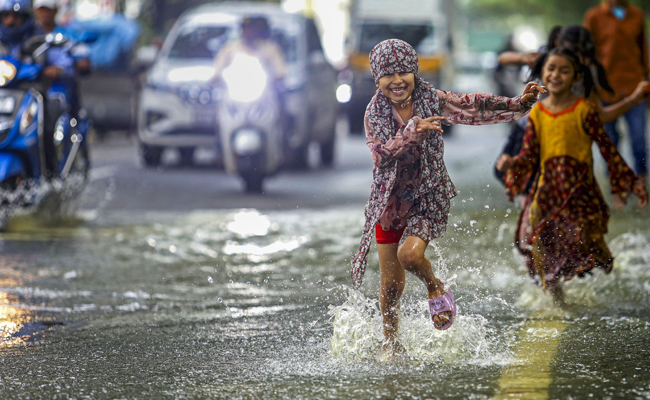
[566, 211]
[411, 191]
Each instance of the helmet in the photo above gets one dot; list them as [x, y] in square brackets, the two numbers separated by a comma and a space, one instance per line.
[256, 27]
[17, 34]
[19, 6]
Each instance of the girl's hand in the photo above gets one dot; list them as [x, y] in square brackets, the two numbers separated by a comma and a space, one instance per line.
[641, 90]
[504, 162]
[531, 92]
[429, 124]
[640, 191]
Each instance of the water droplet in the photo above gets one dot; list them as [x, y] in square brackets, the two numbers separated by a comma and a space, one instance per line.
[151, 242]
[172, 249]
[210, 279]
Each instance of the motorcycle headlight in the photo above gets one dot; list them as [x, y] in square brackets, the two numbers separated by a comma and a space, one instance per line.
[7, 72]
[7, 104]
[245, 78]
[247, 142]
[28, 117]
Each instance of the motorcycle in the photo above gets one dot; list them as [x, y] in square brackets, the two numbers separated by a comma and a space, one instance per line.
[40, 141]
[250, 122]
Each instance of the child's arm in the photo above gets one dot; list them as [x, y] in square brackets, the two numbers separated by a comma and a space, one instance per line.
[406, 138]
[623, 180]
[485, 108]
[517, 58]
[518, 170]
[611, 112]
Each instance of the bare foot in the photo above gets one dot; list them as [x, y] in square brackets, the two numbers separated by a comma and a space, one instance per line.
[618, 202]
[392, 352]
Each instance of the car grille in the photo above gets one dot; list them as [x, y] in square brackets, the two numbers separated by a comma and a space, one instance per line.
[193, 131]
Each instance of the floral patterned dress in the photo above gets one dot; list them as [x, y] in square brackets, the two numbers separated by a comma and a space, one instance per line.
[566, 210]
[411, 187]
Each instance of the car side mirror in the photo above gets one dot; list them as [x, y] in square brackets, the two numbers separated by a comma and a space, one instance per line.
[145, 56]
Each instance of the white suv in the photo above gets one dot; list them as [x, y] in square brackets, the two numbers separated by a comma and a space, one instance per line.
[177, 106]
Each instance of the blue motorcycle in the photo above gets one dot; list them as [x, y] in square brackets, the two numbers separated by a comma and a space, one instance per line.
[40, 141]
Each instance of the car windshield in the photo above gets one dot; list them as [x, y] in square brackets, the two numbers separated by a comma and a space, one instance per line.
[205, 41]
[199, 42]
[420, 36]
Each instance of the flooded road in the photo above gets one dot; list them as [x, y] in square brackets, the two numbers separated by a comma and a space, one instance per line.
[256, 303]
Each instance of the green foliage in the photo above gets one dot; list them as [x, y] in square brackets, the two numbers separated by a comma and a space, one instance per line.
[551, 12]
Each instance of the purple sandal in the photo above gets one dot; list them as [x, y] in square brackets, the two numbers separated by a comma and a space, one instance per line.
[441, 304]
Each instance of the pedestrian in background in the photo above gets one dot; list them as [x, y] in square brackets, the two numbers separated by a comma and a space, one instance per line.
[618, 30]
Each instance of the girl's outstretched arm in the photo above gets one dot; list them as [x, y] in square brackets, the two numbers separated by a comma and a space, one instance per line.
[383, 153]
[621, 177]
[485, 108]
[518, 170]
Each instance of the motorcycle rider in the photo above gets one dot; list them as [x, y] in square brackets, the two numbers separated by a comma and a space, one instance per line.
[16, 28]
[45, 12]
[255, 41]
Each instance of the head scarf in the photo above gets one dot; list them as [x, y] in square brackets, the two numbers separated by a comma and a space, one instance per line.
[389, 57]
[393, 55]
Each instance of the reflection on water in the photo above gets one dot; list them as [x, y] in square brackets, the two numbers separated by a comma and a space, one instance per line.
[244, 304]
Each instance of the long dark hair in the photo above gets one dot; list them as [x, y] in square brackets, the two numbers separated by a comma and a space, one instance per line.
[579, 68]
[579, 39]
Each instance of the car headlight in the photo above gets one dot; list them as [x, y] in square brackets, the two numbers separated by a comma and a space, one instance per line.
[344, 93]
[7, 72]
[245, 78]
[28, 117]
[247, 142]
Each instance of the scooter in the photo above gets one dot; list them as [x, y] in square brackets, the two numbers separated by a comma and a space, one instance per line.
[40, 141]
[250, 122]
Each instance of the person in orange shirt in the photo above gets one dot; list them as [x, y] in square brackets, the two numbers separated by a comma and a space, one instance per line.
[618, 30]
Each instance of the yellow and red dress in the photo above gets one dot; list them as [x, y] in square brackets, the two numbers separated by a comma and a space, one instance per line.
[566, 211]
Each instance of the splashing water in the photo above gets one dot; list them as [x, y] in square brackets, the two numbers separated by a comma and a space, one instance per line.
[357, 334]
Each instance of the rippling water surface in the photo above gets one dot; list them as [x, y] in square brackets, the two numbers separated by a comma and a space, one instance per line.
[245, 304]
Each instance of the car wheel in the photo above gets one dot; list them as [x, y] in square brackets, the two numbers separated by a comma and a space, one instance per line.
[253, 184]
[187, 156]
[81, 163]
[327, 151]
[151, 155]
[355, 124]
[299, 157]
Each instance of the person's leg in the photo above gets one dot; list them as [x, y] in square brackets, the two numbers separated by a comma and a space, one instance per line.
[610, 128]
[391, 287]
[636, 121]
[392, 278]
[411, 257]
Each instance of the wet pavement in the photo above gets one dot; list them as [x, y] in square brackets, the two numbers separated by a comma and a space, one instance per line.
[170, 284]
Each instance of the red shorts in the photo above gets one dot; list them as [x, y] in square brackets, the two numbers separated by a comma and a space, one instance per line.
[389, 236]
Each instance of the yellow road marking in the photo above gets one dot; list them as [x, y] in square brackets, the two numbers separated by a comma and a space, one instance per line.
[530, 377]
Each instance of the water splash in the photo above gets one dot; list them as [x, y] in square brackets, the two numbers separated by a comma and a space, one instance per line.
[357, 334]
[48, 202]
